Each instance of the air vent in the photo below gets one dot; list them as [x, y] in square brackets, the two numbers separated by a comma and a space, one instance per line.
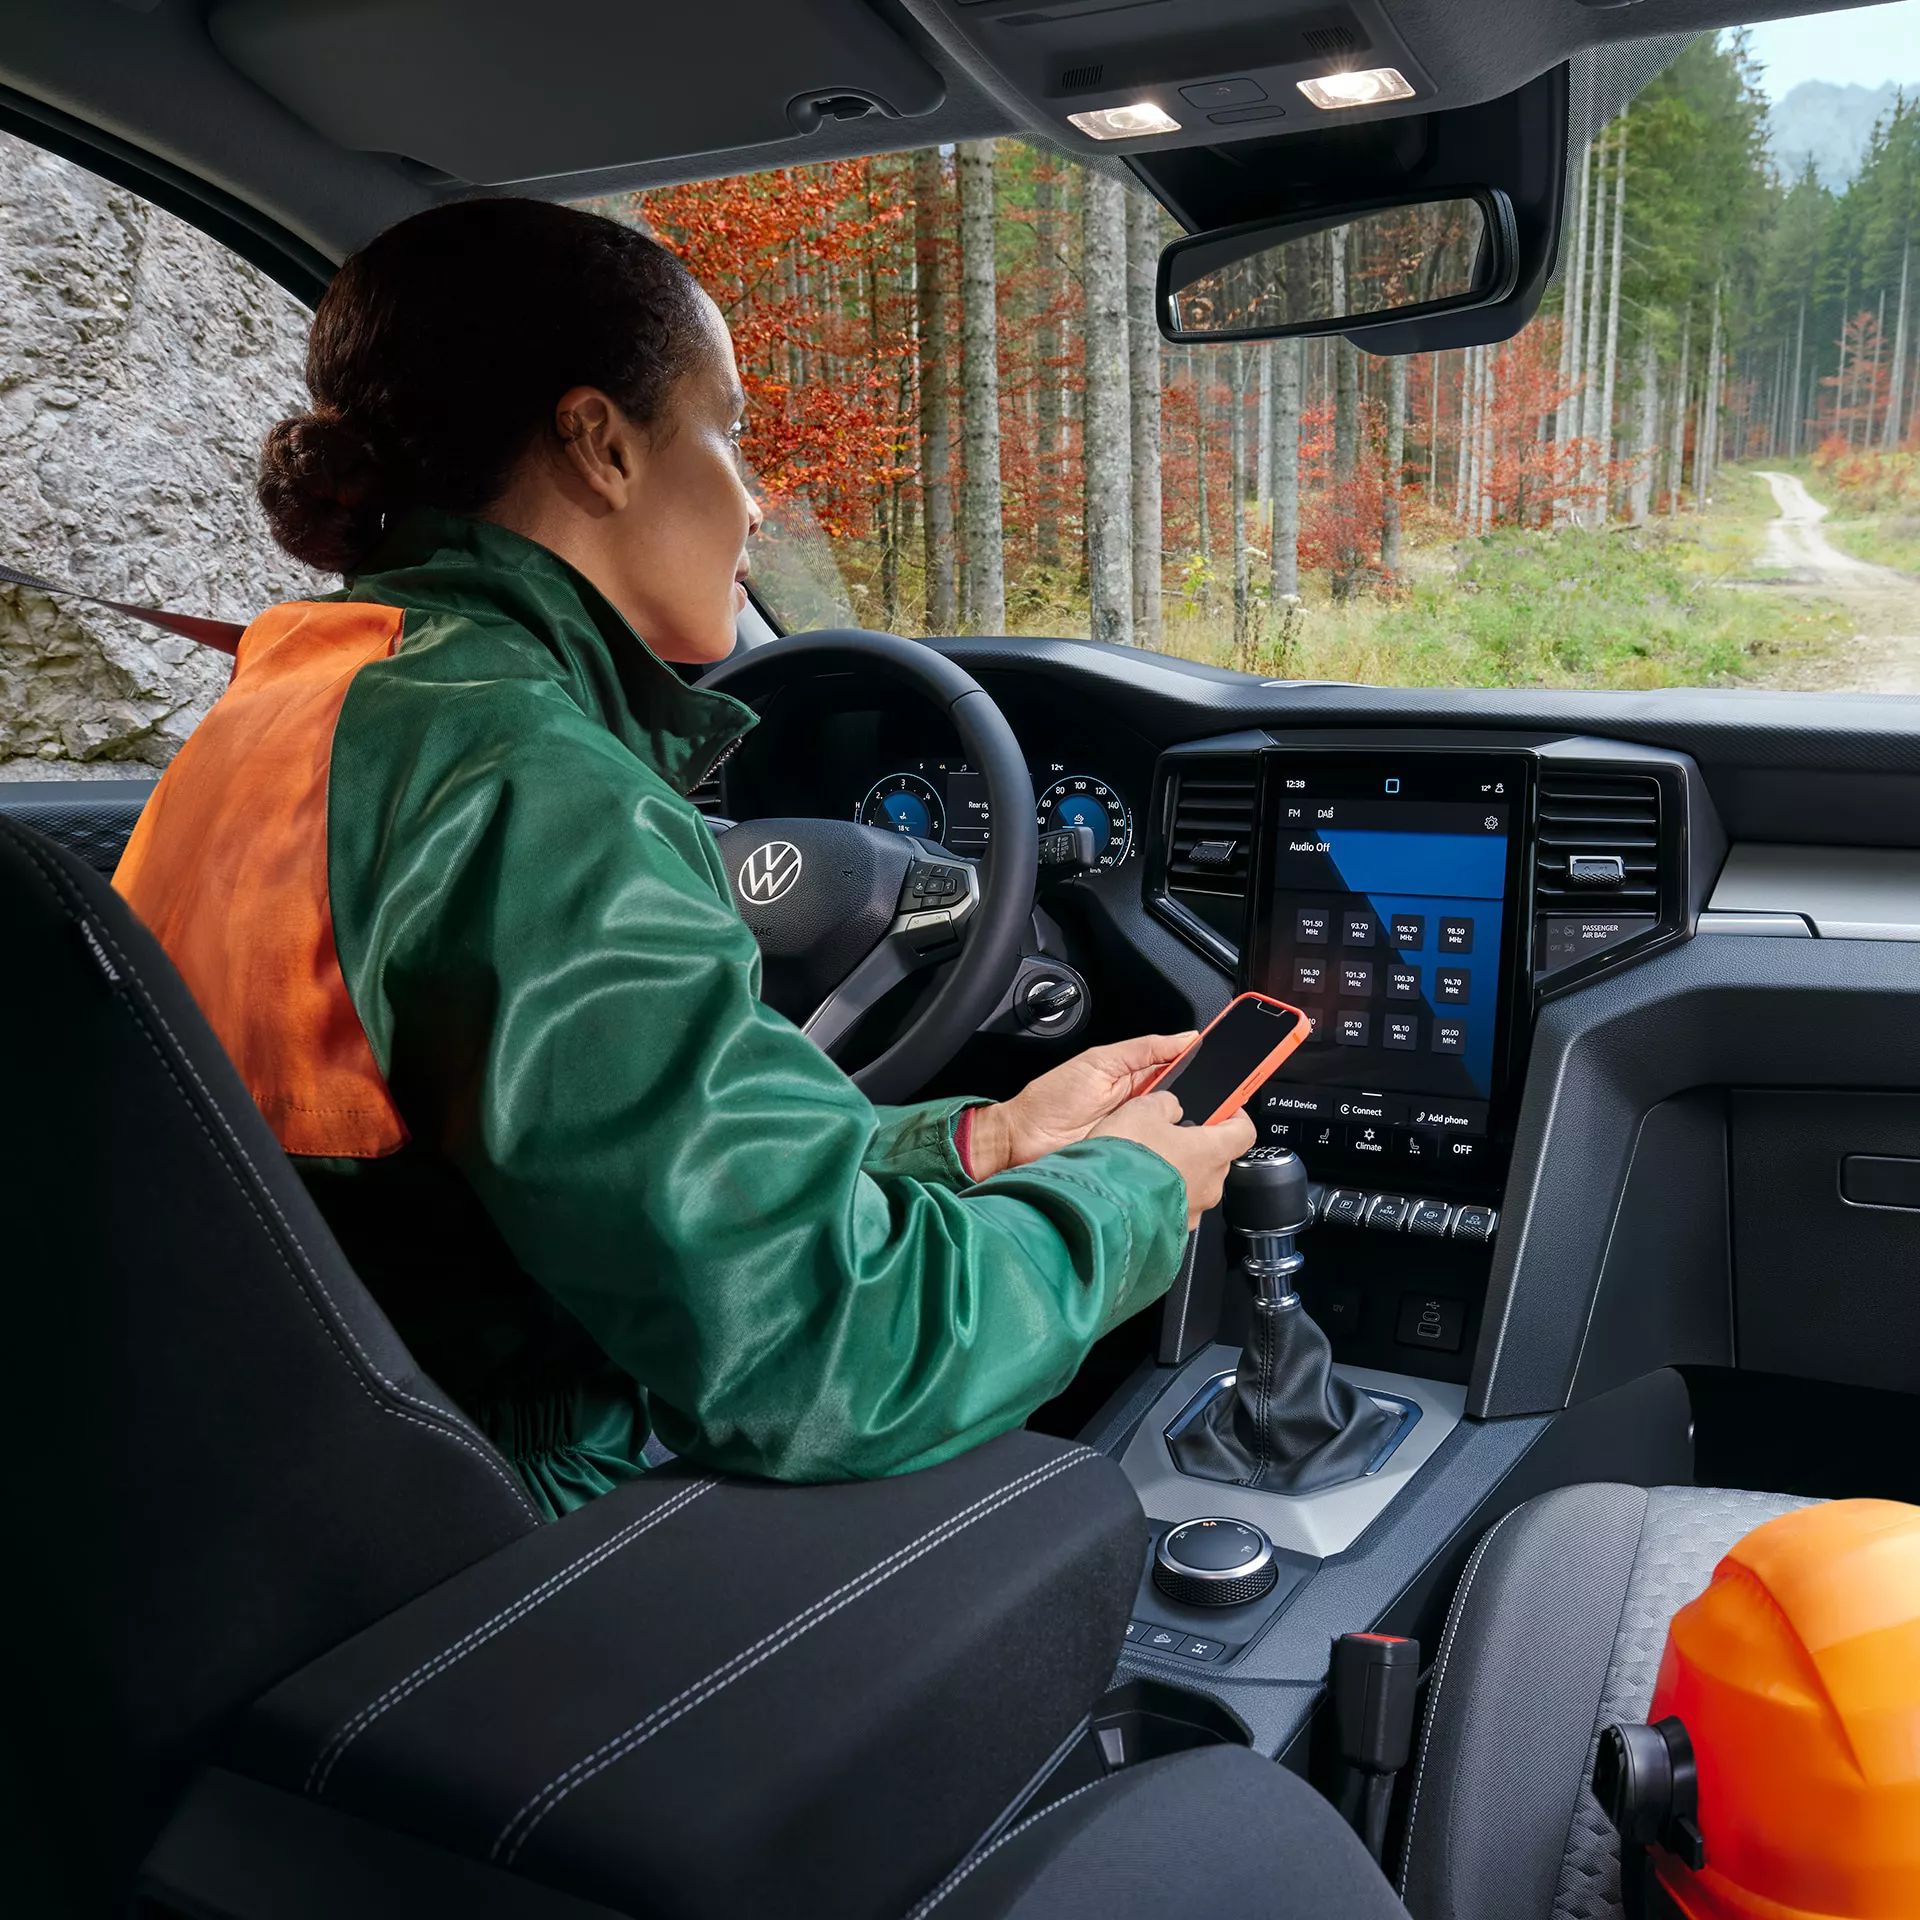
[1598, 849]
[1079, 79]
[1210, 832]
[708, 797]
[1331, 41]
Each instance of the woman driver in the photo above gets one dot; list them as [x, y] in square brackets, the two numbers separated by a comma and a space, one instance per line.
[429, 867]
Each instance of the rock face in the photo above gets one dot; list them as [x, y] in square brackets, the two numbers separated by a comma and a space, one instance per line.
[140, 367]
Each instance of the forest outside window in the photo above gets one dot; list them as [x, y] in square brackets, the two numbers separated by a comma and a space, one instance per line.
[1698, 465]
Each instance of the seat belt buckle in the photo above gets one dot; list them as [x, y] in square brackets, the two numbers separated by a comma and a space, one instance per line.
[1375, 1683]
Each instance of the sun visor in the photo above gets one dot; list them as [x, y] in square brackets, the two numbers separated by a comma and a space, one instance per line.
[496, 91]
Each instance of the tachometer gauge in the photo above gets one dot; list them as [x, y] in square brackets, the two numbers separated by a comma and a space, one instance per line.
[1081, 801]
[906, 803]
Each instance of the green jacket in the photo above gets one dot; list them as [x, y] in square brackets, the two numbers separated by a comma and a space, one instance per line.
[430, 867]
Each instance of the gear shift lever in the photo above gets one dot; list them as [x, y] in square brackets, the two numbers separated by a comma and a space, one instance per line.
[1289, 1423]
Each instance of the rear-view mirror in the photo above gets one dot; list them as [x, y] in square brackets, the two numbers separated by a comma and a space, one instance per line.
[1340, 269]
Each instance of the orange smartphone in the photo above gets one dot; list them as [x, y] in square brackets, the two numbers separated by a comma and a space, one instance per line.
[1239, 1049]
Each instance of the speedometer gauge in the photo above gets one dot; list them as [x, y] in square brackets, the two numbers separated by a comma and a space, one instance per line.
[906, 803]
[1081, 801]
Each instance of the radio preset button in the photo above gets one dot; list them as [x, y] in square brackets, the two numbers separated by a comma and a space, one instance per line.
[1449, 1036]
[1403, 983]
[1387, 1212]
[1342, 1207]
[1400, 1032]
[1474, 1223]
[1410, 931]
[1456, 936]
[1452, 986]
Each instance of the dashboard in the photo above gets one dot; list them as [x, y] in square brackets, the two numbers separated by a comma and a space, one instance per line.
[1558, 1097]
[888, 762]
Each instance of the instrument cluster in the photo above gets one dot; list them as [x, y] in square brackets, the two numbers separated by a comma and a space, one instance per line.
[945, 800]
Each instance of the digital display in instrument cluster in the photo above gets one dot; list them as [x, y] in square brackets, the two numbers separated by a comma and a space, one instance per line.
[946, 801]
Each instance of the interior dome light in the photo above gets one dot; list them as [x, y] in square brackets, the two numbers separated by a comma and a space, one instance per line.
[1124, 123]
[1367, 88]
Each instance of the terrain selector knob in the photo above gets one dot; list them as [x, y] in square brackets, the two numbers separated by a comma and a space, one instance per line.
[1214, 1563]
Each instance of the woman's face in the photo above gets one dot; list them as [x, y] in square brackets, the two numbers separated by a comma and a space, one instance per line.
[681, 556]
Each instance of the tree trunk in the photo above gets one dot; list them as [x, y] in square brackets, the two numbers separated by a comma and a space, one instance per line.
[980, 386]
[1284, 563]
[1896, 386]
[1390, 493]
[1646, 435]
[1610, 357]
[1143, 379]
[1706, 449]
[1346, 419]
[1590, 346]
[1237, 493]
[1464, 429]
[1797, 405]
[1677, 452]
[1203, 525]
[1263, 464]
[1107, 450]
[1572, 327]
[1046, 533]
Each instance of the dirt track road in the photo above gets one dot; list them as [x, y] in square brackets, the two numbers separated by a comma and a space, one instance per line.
[1883, 603]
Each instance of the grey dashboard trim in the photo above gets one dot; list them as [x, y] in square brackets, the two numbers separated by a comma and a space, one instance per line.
[1711, 1013]
[1771, 926]
[1843, 893]
[1319, 1525]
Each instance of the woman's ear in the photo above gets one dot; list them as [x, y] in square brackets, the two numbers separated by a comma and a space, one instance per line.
[600, 445]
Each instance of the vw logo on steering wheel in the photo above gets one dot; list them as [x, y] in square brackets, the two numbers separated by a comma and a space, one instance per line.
[769, 871]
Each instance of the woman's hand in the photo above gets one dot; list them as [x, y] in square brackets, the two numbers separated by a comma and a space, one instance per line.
[1200, 1155]
[1067, 1104]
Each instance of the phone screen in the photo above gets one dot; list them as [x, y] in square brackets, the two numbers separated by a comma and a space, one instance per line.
[1230, 1050]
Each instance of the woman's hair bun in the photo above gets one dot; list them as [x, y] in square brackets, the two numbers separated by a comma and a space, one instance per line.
[323, 491]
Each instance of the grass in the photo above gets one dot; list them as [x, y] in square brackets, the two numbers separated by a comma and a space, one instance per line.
[1888, 540]
[1658, 606]
[1572, 608]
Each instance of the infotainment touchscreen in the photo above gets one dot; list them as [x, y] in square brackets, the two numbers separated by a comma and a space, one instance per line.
[1384, 906]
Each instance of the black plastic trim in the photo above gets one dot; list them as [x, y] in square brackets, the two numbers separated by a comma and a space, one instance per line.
[1707, 1013]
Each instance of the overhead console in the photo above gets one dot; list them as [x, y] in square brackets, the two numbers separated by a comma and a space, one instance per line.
[1206, 71]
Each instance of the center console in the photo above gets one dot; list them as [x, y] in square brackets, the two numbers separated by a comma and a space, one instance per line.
[1418, 898]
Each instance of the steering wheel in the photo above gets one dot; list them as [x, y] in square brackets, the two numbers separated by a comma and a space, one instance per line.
[844, 912]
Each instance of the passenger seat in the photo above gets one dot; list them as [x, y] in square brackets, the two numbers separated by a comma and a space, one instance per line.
[1556, 1632]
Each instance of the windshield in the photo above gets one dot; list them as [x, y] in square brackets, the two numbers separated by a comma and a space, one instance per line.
[1696, 466]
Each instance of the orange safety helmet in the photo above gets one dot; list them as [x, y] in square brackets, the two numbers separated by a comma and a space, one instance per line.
[1780, 1779]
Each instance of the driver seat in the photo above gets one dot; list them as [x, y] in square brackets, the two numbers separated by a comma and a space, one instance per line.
[295, 1640]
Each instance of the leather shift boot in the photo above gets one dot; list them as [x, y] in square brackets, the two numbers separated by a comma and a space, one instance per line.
[1289, 1423]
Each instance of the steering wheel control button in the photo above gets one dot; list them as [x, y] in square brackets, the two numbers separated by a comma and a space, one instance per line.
[1343, 1207]
[1429, 1219]
[1214, 1563]
[1474, 1223]
[931, 933]
[1430, 1320]
[1387, 1212]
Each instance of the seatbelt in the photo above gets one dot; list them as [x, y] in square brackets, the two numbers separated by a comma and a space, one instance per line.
[223, 635]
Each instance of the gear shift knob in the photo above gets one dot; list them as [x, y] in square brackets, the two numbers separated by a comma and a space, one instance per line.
[1266, 1192]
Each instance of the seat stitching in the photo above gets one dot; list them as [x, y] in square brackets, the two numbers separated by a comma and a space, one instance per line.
[518, 1830]
[443, 1424]
[981, 1858]
[1613, 1662]
[431, 1668]
[1439, 1681]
